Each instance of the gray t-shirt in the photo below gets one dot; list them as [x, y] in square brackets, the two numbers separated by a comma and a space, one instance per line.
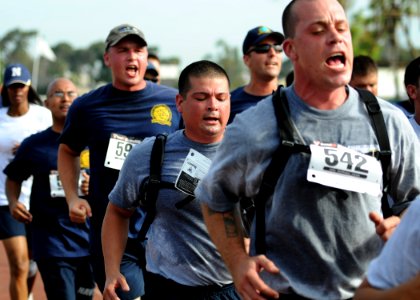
[178, 246]
[321, 238]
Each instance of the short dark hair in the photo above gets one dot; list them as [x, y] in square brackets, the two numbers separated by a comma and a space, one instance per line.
[202, 68]
[412, 72]
[363, 65]
[289, 20]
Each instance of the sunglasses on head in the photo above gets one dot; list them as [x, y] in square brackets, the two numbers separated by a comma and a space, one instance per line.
[264, 48]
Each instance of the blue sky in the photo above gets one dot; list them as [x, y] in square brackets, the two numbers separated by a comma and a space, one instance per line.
[187, 29]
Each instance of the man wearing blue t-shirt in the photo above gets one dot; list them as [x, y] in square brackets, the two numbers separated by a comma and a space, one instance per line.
[59, 246]
[110, 121]
[262, 50]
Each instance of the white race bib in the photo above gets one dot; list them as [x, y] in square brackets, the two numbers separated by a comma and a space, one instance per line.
[195, 166]
[343, 168]
[118, 148]
[56, 188]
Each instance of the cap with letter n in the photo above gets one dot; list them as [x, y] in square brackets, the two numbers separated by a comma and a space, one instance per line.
[122, 31]
[258, 34]
[16, 73]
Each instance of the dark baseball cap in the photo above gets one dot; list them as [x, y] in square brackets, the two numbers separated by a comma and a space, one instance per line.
[258, 34]
[122, 31]
[151, 69]
[16, 73]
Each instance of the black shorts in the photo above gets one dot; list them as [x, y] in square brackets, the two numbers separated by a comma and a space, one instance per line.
[10, 227]
[159, 287]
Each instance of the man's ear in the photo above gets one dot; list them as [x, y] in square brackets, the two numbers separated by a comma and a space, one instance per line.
[411, 91]
[289, 49]
[46, 103]
[178, 101]
[106, 58]
[246, 59]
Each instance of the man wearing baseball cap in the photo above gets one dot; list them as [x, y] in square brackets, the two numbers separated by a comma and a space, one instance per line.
[110, 121]
[261, 49]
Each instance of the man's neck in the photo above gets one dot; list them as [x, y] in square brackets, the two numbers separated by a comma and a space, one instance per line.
[261, 88]
[325, 99]
[57, 125]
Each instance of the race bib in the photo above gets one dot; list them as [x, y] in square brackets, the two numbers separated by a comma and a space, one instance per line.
[118, 148]
[193, 170]
[343, 168]
[56, 188]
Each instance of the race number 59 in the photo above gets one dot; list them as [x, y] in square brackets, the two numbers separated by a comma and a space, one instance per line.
[118, 148]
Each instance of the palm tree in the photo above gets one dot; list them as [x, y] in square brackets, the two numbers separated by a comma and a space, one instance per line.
[389, 17]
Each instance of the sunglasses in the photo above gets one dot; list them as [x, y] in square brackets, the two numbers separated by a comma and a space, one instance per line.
[264, 48]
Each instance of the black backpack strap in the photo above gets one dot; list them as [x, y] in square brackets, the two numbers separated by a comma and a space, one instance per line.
[278, 162]
[375, 113]
[288, 146]
[149, 188]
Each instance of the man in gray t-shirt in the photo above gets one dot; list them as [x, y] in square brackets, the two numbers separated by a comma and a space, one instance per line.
[318, 230]
[181, 260]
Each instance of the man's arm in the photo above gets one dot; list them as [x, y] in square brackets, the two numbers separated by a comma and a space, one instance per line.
[226, 232]
[69, 170]
[114, 240]
[406, 291]
[17, 209]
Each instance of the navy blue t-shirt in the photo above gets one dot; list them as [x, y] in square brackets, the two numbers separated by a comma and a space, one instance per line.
[95, 116]
[53, 234]
[241, 100]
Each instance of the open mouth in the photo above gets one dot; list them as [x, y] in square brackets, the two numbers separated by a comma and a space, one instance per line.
[336, 60]
[211, 119]
[132, 70]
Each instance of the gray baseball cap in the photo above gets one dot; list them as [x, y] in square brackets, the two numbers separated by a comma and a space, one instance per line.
[120, 32]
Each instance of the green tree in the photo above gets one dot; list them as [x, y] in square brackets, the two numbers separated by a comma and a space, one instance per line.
[13, 48]
[383, 33]
[383, 30]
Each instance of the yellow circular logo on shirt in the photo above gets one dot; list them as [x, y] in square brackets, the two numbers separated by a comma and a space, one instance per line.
[161, 114]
